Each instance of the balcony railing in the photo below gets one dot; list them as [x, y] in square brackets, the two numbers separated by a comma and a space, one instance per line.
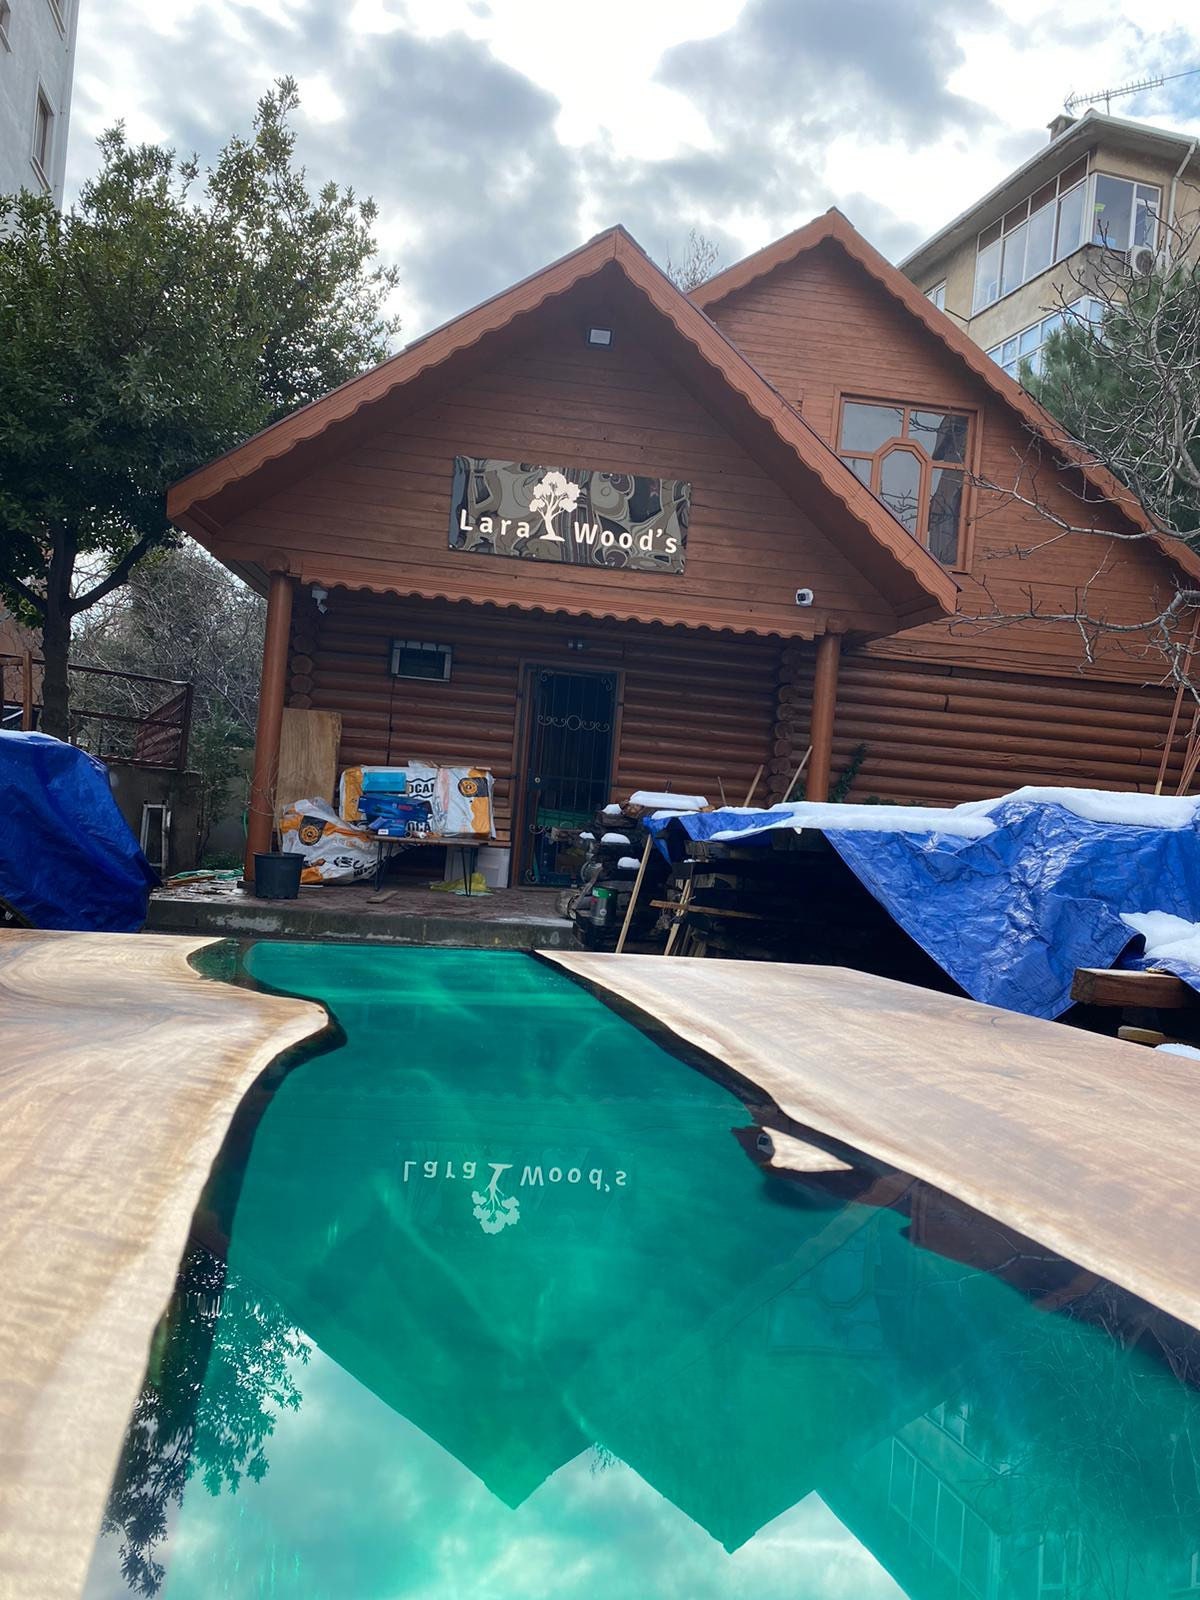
[118, 716]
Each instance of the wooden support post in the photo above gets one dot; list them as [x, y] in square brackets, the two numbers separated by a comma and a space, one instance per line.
[27, 691]
[261, 819]
[824, 702]
[637, 889]
[753, 785]
[797, 775]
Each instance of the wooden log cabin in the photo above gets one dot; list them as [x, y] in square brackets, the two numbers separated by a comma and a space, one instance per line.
[599, 535]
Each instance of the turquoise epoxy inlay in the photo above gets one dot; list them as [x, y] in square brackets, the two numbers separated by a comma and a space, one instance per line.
[507, 1313]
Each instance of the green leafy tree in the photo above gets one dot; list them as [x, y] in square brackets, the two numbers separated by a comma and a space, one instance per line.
[1126, 384]
[164, 318]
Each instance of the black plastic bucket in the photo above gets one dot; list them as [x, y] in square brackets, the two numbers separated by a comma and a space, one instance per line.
[277, 874]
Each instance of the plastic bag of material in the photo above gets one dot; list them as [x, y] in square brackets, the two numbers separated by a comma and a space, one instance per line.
[334, 851]
[464, 801]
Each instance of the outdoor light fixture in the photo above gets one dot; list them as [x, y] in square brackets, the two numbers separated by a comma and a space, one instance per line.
[600, 337]
[319, 598]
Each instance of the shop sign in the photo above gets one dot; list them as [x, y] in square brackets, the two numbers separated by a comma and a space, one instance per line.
[575, 516]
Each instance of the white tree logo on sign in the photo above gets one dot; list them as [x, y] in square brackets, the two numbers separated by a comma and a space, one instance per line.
[552, 495]
[494, 1211]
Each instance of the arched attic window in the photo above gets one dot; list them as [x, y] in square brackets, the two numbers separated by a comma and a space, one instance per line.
[914, 460]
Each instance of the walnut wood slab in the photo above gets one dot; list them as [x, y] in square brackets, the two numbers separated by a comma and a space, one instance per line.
[1086, 1144]
[120, 1068]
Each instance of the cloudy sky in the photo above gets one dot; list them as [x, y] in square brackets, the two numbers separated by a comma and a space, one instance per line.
[497, 134]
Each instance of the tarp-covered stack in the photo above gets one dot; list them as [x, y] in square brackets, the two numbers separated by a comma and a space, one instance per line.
[1008, 896]
[67, 857]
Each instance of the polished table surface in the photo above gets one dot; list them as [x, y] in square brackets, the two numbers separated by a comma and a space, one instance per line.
[1087, 1144]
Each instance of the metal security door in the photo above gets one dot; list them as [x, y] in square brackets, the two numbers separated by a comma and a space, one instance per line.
[570, 763]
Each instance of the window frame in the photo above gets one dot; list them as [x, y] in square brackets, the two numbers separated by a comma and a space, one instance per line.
[1071, 316]
[41, 99]
[1132, 216]
[969, 466]
[936, 295]
[1053, 192]
[427, 647]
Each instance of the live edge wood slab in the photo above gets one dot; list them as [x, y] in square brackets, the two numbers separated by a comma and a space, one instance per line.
[120, 1069]
[1086, 1144]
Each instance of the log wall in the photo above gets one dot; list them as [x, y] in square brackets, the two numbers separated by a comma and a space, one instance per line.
[694, 707]
[938, 734]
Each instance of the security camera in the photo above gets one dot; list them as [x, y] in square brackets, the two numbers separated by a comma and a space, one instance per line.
[805, 597]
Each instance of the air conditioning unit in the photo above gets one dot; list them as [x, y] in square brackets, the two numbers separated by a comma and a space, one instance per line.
[1143, 260]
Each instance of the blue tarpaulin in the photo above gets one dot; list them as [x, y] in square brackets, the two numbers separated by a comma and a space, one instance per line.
[1014, 894]
[67, 856]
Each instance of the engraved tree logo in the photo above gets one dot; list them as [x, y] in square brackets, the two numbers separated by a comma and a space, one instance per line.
[493, 1210]
[552, 495]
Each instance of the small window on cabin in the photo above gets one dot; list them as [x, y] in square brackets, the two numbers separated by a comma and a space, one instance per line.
[412, 658]
[913, 459]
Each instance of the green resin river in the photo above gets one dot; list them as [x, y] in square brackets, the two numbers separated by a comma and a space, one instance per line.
[485, 1301]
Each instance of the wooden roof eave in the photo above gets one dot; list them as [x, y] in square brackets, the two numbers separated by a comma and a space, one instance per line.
[833, 226]
[922, 581]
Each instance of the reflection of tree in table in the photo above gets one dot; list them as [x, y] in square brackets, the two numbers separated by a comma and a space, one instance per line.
[220, 1372]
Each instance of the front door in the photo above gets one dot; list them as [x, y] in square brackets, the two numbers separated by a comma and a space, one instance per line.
[568, 770]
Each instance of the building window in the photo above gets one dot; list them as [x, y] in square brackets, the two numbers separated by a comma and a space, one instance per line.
[1124, 213]
[5, 24]
[43, 137]
[913, 460]
[1073, 210]
[412, 658]
[1032, 236]
[1025, 349]
[937, 295]
[939, 1525]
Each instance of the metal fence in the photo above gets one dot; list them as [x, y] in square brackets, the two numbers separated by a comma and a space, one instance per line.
[118, 716]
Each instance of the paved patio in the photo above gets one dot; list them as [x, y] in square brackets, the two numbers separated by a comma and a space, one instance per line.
[504, 919]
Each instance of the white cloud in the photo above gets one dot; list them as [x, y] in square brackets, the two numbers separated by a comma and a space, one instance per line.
[741, 117]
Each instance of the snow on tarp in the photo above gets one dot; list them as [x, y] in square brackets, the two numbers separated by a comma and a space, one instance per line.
[1009, 896]
[664, 800]
[1171, 944]
[67, 857]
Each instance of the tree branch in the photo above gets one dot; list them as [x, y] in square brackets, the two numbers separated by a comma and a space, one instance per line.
[118, 575]
[28, 595]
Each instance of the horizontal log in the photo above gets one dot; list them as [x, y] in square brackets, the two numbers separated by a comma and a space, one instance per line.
[1098, 986]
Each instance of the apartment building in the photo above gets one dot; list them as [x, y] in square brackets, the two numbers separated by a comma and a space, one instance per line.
[1004, 268]
[37, 66]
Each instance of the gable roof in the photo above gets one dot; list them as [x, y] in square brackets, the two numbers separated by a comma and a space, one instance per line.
[916, 583]
[833, 227]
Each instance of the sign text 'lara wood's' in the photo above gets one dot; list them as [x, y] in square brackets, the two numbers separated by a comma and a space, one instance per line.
[595, 519]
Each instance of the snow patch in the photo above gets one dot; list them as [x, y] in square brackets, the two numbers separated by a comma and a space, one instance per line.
[611, 811]
[1188, 1050]
[614, 838]
[628, 864]
[587, 836]
[666, 801]
[834, 818]
[1167, 937]
[1100, 805]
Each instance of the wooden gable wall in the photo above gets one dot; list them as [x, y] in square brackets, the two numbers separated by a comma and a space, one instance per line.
[820, 328]
[377, 515]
